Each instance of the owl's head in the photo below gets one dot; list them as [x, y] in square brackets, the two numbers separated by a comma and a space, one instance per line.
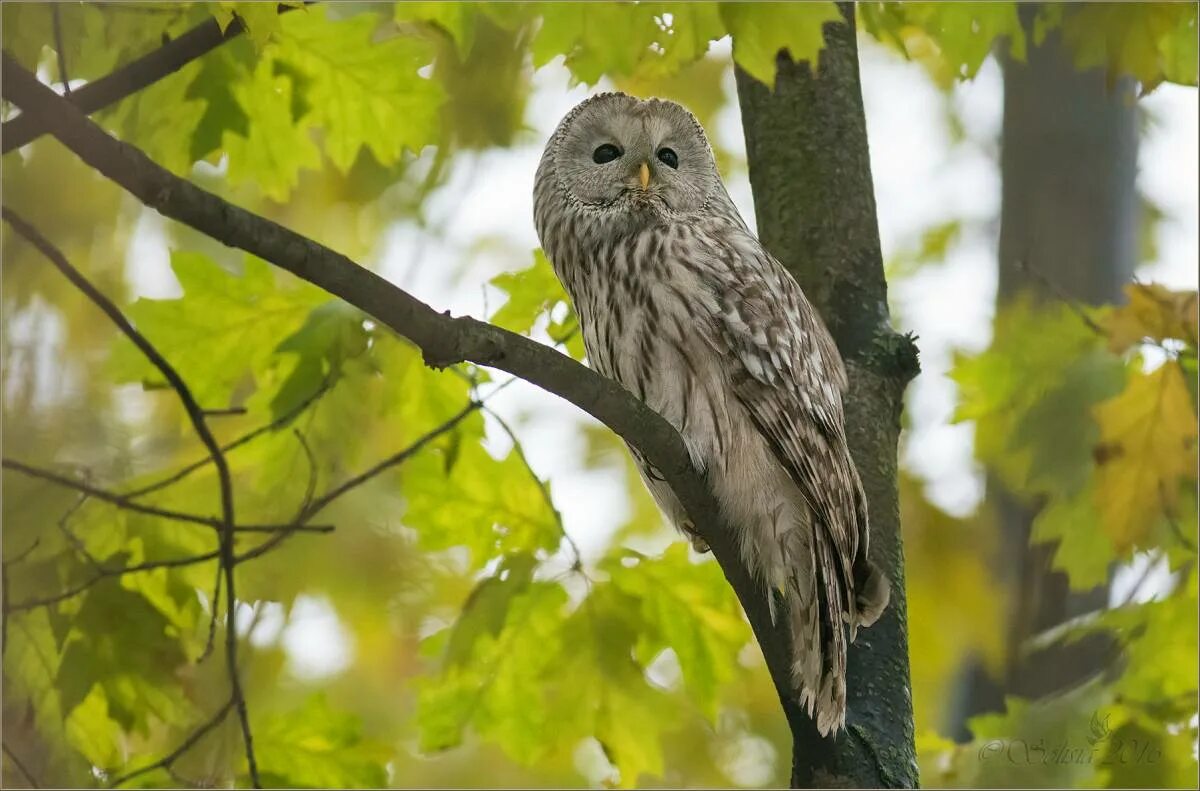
[630, 160]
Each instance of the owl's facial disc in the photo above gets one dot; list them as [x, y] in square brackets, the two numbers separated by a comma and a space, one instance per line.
[637, 160]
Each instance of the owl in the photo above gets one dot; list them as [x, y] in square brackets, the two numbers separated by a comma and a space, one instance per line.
[680, 304]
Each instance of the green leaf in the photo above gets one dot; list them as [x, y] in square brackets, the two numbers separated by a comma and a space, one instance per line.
[219, 71]
[689, 608]
[1039, 369]
[119, 641]
[261, 20]
[96, 39]
[456, 20]
[162, 119]
[32, 659]
[486, 609]
[223, 326]
[316, 746]
[533, 293]
[363, 93]
[274, 149]
[507, 689]
[624, 39]
[333, 333]
[1083, 550]
[761, 30]
[93, 733]
[1150, 41]
[490, 506]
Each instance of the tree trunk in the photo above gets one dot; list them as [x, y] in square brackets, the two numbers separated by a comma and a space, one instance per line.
[810, 172]
[1068, 230]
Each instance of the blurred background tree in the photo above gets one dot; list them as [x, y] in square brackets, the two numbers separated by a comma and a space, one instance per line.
[505, 607]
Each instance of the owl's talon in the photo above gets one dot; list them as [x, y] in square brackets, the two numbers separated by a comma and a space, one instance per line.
[697, 540]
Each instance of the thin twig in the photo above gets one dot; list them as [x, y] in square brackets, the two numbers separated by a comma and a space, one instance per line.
[170, 758]
[75, 541]
[315, 506]
[62, 55]
[125, 5]
[310, 488]
[1172, 523]
[391, 461]
[20, 766]
[123, 502]
[214, 608]
[24, 553]
[225, 412]
[1061, 295]
[104, 573]
[106, 496]
[543, 487]
[1136, 588]
[199, 424]
[278, 422]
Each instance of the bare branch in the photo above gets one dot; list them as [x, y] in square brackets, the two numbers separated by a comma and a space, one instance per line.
[1061, 295]
[278, 422]
[20, 766]
[310, 488]
[199, 424]
[314, 506]
[104, 573]
[75, 541]
[214, 604]
[23, 553]
[391, 461]
[542, 487]
[226, 412]
[132, 77]
[123, 502]
[170, 758]
[56, 16]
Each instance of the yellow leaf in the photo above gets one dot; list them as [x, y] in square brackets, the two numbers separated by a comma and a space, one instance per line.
[1147, 444]
[1154, 312]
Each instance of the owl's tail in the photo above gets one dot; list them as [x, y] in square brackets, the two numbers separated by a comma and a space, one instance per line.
[825, 607]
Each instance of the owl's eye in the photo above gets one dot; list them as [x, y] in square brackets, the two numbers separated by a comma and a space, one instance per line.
[606, 153]
[668, 157]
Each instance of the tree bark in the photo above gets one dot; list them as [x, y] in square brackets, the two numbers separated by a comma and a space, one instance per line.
[1068, 230]
[810, 172]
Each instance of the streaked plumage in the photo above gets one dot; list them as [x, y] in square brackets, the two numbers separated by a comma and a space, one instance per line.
[680, 303]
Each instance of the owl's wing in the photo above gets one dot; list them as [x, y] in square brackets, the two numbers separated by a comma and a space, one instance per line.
[790, 377]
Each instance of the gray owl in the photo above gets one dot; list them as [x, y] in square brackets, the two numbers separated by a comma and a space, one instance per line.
[681, 305]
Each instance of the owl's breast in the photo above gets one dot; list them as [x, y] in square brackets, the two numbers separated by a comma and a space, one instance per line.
[646, 314]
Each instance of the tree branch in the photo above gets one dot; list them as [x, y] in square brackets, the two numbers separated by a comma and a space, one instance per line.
[317, 505]
[60, 52]
[123, 502]
[20, 766]
[543, 487]
[132, 77]
[170, 758]
[312, 507]
[278, 422]
[104, 573]
[443, 339]
[199, 423]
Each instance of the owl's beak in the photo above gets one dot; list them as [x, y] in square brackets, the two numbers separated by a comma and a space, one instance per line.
[644, 175]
